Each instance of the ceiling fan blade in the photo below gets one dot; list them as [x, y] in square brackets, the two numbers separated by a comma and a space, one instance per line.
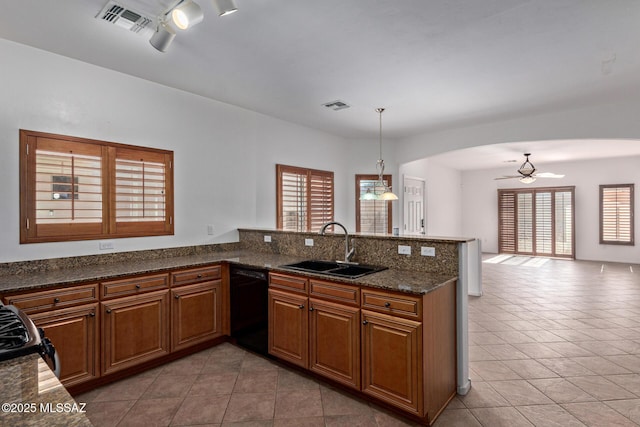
[508, 177]
[548, 175]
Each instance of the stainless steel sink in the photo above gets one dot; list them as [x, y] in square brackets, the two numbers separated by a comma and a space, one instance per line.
[334, 268]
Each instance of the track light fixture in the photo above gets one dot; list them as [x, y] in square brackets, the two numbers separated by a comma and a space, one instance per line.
[186, 14]
[163, 37]
[224, 7]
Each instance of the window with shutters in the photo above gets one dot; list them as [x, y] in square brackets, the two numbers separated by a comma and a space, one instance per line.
[538, 221]
[304, 198]
[81, 189]
[616, 214]
[372, 216]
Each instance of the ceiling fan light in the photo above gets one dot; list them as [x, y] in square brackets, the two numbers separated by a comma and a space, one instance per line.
[224, 7]
[527, 179]
[163, 37]
[187, 14]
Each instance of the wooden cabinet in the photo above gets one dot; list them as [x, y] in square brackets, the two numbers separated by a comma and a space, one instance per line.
[69, 317]
[396, 347]
[392, 360]
[289, 327]
[321, 333]
[74, 333]
[53, 299]
[334, 341]
[135, 329]
[196, 309]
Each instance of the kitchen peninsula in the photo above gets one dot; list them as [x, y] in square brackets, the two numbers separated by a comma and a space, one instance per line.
[189, 277]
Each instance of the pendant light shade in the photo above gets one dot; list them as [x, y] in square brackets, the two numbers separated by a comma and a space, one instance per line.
[186, 15]
[163, 37]
[224, 7]
[386, 194]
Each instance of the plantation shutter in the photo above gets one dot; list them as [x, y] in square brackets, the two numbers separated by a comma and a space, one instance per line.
[67, 188]
[616, 214]
[536, 221]
[321, 199]
[544, 223]
[506, 222]
[304, 198]
[525, 222]
[563, 223]
[141, 181]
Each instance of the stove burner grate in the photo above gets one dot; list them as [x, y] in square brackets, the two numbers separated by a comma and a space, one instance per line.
[13, 333]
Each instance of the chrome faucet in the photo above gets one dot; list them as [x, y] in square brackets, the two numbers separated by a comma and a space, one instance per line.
[348, 253]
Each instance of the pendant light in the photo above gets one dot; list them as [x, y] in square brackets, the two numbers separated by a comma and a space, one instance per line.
[386, 194]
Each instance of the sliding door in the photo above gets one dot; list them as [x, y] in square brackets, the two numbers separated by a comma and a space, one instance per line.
[536, 221]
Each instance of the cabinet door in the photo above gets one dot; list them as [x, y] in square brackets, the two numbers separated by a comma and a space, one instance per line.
[74, 334]
[134, 330]
[334, 341]
[288, 327]
[392, 355]
[196, 314]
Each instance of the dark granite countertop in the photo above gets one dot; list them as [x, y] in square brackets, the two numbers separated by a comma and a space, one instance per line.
[31, 395]
[393, 279]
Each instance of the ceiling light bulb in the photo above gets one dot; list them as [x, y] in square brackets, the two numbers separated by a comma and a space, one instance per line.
[186, 15]
[163, 37]
[224, 7]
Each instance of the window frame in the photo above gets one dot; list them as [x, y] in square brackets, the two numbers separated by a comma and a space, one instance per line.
[309, 214]
[107, 227]
[631, 241]
[372, 177]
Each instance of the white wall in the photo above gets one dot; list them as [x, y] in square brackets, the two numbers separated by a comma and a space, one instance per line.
[224, 156]
[480, 203]
[443, 196]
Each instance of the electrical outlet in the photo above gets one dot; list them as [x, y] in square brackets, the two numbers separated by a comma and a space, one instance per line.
[210, 229]
[404, 250]
[267, 239]
[308, 242]
[427, 251]
[105, 245]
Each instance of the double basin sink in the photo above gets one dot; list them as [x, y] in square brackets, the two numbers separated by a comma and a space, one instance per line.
[334, 268]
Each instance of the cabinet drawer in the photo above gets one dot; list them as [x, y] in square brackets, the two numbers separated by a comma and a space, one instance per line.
[396, 304]
[338, 292]
[54, 299]
[196, 275]
[134, 285]
[290, 283]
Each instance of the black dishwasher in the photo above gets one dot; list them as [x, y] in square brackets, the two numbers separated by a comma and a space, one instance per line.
[250, 308]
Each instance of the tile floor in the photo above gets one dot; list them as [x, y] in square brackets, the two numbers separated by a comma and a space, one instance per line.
[552, 343]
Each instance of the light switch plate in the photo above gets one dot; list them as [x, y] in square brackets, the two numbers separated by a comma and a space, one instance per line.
[210, 229]
[267, 239]
[404, 250]
[427, 251]
[308, 242]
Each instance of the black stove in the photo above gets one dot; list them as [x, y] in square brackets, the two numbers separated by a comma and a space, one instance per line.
[20, 336]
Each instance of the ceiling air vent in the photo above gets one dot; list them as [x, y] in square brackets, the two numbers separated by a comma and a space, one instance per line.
[336, 105]
[123, 16]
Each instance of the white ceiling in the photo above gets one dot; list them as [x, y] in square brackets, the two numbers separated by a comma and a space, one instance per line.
[432, 64]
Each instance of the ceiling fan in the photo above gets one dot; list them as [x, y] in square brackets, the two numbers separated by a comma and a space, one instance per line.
[528, 172]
